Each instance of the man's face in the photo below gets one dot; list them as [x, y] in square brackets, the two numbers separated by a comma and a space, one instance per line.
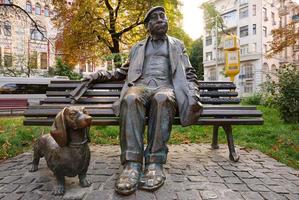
[157, 24]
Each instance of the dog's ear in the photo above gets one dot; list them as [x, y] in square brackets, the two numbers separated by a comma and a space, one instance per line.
[58, 129]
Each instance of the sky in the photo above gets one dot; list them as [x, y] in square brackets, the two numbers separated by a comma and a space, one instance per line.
[193, 17]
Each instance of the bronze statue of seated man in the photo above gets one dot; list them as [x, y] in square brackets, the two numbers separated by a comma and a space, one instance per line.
[160, 81]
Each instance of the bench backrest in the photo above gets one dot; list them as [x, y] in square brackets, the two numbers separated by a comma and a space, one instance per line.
[13, 103]
[58, 93]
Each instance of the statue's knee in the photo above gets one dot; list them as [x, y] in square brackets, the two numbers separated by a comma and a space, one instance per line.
[130, 99]
[160, 98]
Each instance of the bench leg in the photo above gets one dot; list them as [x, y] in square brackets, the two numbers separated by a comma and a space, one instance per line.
[233, 156]
[214, 144]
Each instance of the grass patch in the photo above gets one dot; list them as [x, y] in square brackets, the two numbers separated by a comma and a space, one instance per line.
[274, 138]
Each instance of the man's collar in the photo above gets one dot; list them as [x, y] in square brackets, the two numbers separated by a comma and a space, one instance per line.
[154, 37]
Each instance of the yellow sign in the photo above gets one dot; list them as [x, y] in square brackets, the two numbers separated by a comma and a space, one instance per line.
[232, 63]
[231, 42]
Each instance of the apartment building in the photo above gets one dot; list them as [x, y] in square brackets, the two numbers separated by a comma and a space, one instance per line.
[21, 44]
[252, 21]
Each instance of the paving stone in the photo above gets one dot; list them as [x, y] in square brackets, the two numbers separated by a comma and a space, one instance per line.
[197, 178]
[24, 180]
[258, 188]
[215, 179]
[99, 178]
[252, 181]
[251, 196]
[292, 196]
[224, 173]
[191, 172]
[232, 180]
[12, 196]
[99, 195]
[75, 193]
[228, 194]
[174, 171]
[177, 178]
[208, 194]
[31, 196]
[29, 188]
[238, 187]
[272, 196]
[9, 188]
[278, 189]
[143, 195]
[189, 195]
[290, 177]
[43, 179]
[243, 175]
[9, 179]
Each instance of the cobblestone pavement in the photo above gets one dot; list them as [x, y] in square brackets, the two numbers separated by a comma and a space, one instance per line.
[193, 172]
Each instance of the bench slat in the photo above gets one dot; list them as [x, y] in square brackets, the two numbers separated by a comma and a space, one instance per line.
[202, 121]
[109, 112]
[83, 100]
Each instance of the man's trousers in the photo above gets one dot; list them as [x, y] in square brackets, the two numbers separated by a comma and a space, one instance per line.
[141, 104]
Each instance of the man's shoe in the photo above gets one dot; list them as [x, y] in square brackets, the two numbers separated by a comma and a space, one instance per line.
[127, 181]
[153, 177]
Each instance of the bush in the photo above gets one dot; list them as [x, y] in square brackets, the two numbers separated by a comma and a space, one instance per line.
[284, 94]
[62, 69]
[255, 99]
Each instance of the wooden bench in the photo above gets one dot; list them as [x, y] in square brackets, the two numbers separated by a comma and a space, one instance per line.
[221, 107]
[11, 104]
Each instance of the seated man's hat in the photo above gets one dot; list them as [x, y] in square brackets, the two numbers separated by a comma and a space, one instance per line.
[147, 15]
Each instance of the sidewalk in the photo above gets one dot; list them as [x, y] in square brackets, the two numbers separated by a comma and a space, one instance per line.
[194, 172]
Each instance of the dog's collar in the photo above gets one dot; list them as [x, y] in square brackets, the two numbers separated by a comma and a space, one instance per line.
[78, 144]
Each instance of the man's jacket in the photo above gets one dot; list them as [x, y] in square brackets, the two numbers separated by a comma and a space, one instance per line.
[183, 76]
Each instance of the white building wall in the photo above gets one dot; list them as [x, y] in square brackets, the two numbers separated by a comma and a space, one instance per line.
[258, 43]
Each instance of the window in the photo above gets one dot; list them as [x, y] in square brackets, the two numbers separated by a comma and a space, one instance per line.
[254, 29]
[43, 61]
[212, 76]
[229, 18]
[0, 57]
[273, 18]
[265, 48]
[243, 31]
[253, 10]
[28, 7]
[252, 48]
[33, 60]
[8, 1]
[243, 13]
[265, 31]
[37, 9]
[208, 40]
[265, 72]
[248, 71]
[37, 35]
[209, 56]
[243, 2]
[7, 60]
[47, 11]
[244, 49]
[265, 14]
[7, 28]
[248, 88]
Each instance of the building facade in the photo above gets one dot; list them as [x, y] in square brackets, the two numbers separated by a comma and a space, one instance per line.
[21, 44]
[252, 21]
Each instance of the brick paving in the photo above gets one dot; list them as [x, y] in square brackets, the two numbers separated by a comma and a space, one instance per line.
[194, 172]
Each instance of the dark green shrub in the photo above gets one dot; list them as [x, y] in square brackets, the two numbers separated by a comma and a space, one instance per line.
[62, 69]
[284, 93]
[255, 99]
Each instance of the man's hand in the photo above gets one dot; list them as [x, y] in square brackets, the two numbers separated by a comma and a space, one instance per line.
[94, 76]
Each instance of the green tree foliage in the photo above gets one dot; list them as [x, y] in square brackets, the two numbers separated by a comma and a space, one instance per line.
[284, 94]
[196, 57]
[62, 69]
[92, 29]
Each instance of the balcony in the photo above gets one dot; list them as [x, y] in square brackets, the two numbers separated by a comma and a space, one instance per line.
[296, 47]
[282, 11]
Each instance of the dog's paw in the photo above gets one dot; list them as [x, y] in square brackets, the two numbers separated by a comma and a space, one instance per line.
[59, 190]
[85, 183]
[34, 168]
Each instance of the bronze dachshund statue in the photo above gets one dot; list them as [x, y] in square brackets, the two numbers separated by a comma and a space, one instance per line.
[66, 147]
